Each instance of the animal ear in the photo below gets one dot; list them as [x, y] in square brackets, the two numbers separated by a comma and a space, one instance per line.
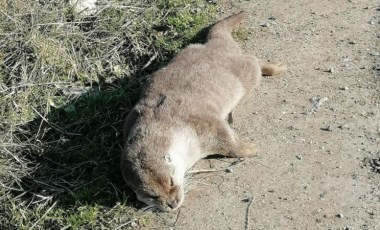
[130, 121]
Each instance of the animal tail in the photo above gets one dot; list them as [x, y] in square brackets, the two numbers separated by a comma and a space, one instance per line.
[224, 27]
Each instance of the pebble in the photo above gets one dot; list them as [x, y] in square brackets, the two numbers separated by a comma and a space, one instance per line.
[246, 200]
[339, 215]
[298, 157]
[265, 24]
[229, 170]
[345, 126]
[328, 128]
[293, 128]
[343, 88]
[331, 70]
[374, 53]
[272, 18]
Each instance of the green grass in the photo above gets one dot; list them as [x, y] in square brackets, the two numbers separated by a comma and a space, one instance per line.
[66, 85]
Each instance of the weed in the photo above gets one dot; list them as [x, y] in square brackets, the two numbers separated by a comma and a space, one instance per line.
[66, 85]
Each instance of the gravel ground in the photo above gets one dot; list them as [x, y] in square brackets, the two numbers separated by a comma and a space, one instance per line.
[318, 126]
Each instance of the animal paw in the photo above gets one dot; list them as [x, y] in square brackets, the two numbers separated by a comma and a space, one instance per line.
[279, 68]
[271, 69]
[246, 149]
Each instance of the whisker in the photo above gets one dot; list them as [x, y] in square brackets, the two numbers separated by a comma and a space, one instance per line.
[147, 208]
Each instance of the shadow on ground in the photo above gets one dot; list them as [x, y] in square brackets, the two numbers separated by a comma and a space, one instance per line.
[76, 148]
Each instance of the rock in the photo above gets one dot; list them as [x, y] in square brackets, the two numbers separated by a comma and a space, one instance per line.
[343, 88]
[134, 224]
[246, 200]
[328, 128]
[229, 170]
[339, 215]
[374, 53]
[317, 102]
[293, 128]
[265, 24]
[83, 7]
[331, 70]
[298, 157]
[345, 126]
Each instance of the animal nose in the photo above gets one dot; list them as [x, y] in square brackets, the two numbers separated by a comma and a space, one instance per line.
[173, 204]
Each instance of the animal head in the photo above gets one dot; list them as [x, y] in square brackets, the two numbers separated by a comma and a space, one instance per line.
[149, 168]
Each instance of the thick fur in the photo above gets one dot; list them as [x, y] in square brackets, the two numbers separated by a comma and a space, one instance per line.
[182, 115]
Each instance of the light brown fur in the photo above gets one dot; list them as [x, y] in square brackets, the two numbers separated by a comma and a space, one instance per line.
[182, 115]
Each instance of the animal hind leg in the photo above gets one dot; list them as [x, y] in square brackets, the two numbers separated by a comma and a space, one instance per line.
[222, 140]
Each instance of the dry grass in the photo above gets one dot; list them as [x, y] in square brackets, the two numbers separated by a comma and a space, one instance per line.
[66, 84]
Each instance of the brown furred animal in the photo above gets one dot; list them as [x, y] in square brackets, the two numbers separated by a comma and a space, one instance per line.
[181, 116]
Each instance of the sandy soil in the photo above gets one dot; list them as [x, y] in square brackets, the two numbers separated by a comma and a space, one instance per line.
[318, 126]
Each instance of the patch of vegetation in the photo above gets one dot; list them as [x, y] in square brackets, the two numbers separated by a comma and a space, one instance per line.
[66, 85]
[241, 34]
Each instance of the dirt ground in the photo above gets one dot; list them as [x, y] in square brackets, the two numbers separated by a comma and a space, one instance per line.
[318, 126]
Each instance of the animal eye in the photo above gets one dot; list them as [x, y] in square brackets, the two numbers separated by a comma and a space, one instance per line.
[152, 196]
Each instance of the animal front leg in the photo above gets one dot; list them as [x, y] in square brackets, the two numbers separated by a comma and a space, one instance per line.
[222, 140]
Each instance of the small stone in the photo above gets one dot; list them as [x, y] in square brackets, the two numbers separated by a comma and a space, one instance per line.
[351, 42]
[293, 128]
[246, 200]
[229, 170]
[265, 24]
[331, 70]
[328, 128]
[345, 126]
[134, 224]
[343, 88]
[339, 215]
[374, 53]
[298, 157]
[272, 18]
[322, 195]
